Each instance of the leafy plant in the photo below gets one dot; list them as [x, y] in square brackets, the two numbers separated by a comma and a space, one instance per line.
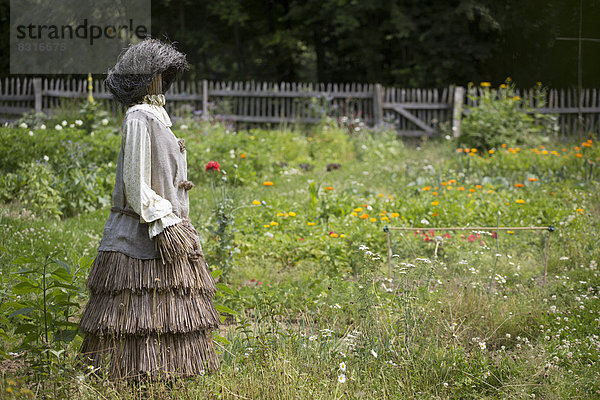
[501, 117]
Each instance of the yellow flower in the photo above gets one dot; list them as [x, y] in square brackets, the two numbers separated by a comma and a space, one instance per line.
[394, 215]
[510, 232]
[435, 203]
[342, 235]
[292, 214]
[280, 214]
[539, 83]
[491, 151]
[310, 223]
[380, 195]
[357, 209]
[373, 220]
[473, 150]
[268, 183]
[485, 84]
[334, 235]
[256, 203]
[266, 226]
[274, 223]
[520, 201]
[516, 98]
[580, 210]
[354, 214]
[426, 188]
[503, 86]
[385, 219]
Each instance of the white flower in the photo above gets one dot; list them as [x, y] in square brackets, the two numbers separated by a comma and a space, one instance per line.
[104, 121]
[46, 158]
[342, 378]
[58, 127]
[563, 258]
[30, 133]
[64, 123]
[486, 374]
[202, 372]
[23, 125]
[508, 335]
[343, 366]
[374, 353]
[78, 122]
[72, 126]
[424, 221]
[482, 345]
[312, 338]
[42, 126]
[183, 127]
[445, 384]
[269, 234]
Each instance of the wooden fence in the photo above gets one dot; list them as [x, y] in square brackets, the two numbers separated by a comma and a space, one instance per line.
[413, 112]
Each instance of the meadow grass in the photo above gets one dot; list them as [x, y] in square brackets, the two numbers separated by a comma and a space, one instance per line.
[304, 272]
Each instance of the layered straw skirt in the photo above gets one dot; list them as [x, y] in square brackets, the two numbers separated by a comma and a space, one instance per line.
[152, 318]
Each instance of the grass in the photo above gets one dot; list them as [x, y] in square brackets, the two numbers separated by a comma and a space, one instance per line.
[316, 315]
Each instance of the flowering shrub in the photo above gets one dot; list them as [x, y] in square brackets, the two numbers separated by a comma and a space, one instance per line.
[502, 117]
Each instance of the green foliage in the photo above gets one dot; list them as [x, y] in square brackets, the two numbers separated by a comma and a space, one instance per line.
[57, 173]
[502, 118]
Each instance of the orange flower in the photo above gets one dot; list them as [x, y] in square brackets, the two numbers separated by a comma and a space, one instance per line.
[426, 188]
[472, 190]
[268, 183]
[444, 183]
[434, 193]
[452, 181]
[533, 179]
[519, 185]
[328, 188]
[578, 155]
[242, 156]
[491, 151]
[577, 148]
[435, 214]
[461, 188]
[478, 186]
[459, 150]
[364, 216]
[504, 145]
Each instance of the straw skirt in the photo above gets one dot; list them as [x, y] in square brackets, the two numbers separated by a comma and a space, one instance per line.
[152, 317]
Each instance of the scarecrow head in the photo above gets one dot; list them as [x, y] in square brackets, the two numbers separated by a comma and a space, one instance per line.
[148, 67]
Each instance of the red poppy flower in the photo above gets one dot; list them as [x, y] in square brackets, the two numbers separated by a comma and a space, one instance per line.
[213, 166]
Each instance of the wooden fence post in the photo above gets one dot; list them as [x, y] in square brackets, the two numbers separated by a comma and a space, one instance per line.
[459, 95]
[378, 105]
[204, 99]
[37, 92]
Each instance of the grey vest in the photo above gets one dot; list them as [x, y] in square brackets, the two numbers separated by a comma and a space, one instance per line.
[124, 232]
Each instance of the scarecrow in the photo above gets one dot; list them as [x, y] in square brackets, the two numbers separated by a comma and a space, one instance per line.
[150, 311]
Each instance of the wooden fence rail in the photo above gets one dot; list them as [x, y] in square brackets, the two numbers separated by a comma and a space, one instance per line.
[412, 111]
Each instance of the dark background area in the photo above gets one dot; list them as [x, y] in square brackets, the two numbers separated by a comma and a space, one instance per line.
[425, 43]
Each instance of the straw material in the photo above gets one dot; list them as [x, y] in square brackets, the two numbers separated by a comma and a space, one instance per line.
[152, 316]
[160, 356]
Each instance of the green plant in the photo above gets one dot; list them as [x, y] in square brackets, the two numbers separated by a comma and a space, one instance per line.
[501, 117]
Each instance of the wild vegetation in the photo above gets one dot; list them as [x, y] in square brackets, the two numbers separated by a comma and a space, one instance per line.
[292, 223]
